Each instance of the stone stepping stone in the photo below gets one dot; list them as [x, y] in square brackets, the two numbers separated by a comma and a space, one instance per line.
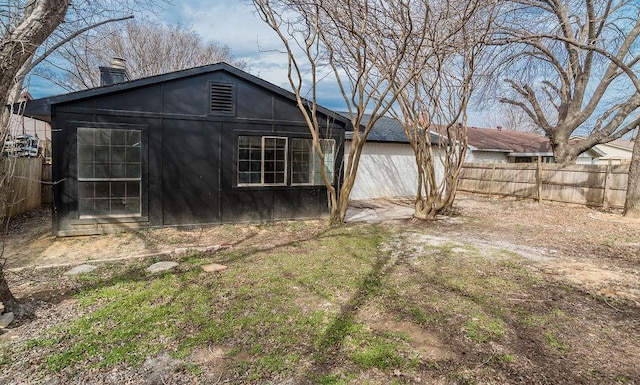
[5, 320]
[161, 266]
[213, 267]
[81, 269]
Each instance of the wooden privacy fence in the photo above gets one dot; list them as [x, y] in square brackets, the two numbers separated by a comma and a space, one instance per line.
[25, 188]
[593, 185]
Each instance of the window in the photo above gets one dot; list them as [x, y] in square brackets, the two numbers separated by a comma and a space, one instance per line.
[262, 160]
[109, 172]
[305, 162]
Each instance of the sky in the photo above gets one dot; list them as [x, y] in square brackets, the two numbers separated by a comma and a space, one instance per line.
[234, 23]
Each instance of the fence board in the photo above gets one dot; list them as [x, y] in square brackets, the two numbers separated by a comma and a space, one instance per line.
[581, 184]
[25, 187]
[47, 190]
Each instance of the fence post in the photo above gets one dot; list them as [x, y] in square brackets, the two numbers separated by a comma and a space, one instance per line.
[493, 170]
[607, 187]
[539, 178]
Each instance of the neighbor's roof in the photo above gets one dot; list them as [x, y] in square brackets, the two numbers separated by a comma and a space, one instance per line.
[492, 139]
[388, 130]
[623, 144]
[41, 108]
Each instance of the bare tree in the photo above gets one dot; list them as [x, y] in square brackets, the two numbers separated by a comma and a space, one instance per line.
[25, 27]
[433, 106]
[360, 44]
[31, 31]
[149, 49]
[567, 55]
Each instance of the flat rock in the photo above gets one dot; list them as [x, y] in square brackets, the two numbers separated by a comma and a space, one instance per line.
[161, 266]
[5, 320]
[81, 269]
[213, 267]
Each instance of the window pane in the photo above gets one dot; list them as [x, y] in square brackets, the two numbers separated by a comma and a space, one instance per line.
[244, 177]
[134, 171]
[85, 136]
[118, 170]
[118, 154]
[133, 154]
[132, 206]
[85, 170]
[103, 138]
[85, 190]
[118, 189]
[243, 166]
[85, 153]
[102, 189]
[133, 189]
[118, 137]
[102, 206]
[300, 162]
[102, 170]
[117, 206]
[134, 138]
[101, 153]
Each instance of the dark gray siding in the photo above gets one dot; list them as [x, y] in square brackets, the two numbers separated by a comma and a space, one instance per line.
[189, 158]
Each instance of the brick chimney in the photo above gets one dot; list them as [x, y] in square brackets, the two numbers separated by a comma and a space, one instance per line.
[115, 74]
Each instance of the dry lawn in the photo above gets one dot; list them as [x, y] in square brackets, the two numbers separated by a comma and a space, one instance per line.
[505, 291]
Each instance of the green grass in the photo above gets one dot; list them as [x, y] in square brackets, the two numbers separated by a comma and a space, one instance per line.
[555, 343]
[295, 311]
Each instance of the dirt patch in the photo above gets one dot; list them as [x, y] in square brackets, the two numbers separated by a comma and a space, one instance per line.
[570, 317]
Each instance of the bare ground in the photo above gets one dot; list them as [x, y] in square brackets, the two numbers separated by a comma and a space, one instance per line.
[593, 253]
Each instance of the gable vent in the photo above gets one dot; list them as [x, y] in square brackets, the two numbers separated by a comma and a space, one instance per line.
[221, 98]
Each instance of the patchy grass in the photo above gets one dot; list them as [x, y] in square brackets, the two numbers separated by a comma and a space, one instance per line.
[349, 305]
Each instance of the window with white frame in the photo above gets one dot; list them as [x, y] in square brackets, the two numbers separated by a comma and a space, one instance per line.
[109, 172]
[306, 164]
[262, 160]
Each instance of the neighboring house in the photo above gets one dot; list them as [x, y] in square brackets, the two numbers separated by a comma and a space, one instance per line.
[27, 136]
[488, 145]
[387, 167]
[206, 145]
[617, 152]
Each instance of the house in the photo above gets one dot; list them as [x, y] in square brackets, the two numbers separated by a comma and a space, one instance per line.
[618, 151]
[387, 167]
[26, 136]
[488, 145]
[201, 146]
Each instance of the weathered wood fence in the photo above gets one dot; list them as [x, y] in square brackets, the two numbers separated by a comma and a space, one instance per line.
[25, 188]
[592, 185]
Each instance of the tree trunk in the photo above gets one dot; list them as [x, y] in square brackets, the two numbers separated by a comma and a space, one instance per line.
[17, 47]
[10, 302]
[632, 204]
[563, 154]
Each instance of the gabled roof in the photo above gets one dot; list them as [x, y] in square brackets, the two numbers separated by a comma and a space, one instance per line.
[388, 130]
[622, 144]
[491, 139]
[41, 108]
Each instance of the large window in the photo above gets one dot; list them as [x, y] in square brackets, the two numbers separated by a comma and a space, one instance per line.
[109, 172]
[262, 160]
[306, 164]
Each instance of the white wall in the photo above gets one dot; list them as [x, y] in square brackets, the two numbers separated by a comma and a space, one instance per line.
[476, 156]
[386, 170]
[617, 155]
